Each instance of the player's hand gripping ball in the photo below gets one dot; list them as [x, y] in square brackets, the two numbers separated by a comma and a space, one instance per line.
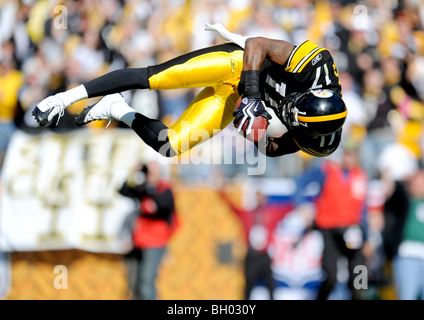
[251, 118]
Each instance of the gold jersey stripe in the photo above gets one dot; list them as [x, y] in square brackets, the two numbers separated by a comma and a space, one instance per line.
[313, 55]
[305, 58]
[289, 60]
[298, 55]
[323, 118]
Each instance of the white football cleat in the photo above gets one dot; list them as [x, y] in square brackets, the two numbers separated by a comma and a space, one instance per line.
[107, 108]
[47, 109]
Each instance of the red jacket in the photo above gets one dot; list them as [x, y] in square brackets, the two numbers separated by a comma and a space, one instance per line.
[266, 218]
[157, 221]
[342, 199]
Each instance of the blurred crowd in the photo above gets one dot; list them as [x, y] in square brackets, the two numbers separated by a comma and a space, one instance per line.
[378, 46]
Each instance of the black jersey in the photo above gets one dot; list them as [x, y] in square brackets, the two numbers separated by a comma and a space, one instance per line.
[308, 67]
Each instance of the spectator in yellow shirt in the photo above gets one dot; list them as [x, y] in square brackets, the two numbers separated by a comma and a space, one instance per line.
[10, 82]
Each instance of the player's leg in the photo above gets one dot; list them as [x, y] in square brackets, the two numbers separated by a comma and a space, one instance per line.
[207, 67]
[218, 69]
[114, 107]
[210, 111]
[113, 82]
[199, 68]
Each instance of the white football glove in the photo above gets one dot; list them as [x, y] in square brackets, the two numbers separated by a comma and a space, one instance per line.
[226, 35]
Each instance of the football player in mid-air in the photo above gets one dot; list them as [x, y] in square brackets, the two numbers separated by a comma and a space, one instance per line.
[300, 83]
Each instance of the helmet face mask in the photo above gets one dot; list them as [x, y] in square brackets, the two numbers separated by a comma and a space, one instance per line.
[290, 111]
[315, 112]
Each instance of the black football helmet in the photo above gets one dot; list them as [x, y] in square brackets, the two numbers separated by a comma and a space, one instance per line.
[315, 112]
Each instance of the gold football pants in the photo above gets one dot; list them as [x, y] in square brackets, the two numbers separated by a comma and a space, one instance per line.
[218, 70]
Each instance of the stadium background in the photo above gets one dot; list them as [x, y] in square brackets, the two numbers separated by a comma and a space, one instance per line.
[48, 46]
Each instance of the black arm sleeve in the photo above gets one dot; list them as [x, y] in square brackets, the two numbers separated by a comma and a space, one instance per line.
[118, 81]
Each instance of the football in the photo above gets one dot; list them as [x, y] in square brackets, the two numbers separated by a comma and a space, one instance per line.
[259, 127]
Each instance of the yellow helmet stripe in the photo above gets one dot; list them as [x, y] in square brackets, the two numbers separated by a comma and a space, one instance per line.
[323, 118]
[315, 153]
